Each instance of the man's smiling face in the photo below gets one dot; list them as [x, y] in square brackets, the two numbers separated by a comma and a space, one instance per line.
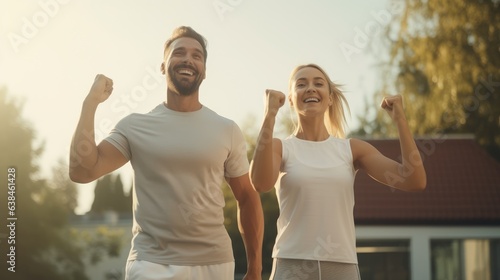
[185, 66]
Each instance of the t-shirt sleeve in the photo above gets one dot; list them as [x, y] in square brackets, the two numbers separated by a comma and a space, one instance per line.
[117, 137]
[237, 162]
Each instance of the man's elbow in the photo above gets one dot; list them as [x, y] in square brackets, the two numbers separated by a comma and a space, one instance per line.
[79, 180]
[79, 177]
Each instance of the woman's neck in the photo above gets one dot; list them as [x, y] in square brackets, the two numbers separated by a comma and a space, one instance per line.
[311, 129]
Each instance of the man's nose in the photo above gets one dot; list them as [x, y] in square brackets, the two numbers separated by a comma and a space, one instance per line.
[187, 59]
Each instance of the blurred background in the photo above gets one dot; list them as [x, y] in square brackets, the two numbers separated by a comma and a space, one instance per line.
[442, 56]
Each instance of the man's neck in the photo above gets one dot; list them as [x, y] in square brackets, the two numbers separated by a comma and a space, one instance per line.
[182, 103]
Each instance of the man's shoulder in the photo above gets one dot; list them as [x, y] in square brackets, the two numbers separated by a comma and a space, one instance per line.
[214, 116]
[138, 117]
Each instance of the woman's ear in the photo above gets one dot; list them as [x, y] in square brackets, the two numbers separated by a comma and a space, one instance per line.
[290, 100]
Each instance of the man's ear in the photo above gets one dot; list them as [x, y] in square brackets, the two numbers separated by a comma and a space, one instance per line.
[162, 68]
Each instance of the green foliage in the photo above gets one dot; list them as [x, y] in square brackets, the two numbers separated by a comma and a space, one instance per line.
[43, 248]
[443, 59]
[65, 187]
[110, 196]
[103, 241]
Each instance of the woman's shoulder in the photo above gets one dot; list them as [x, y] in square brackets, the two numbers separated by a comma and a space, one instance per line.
[357, 143]
[361, 148]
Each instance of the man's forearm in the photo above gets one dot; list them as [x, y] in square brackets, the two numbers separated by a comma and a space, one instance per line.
[251, 225]
[83, 152]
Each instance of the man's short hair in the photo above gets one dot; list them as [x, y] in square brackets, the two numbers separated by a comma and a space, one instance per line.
[186, 31]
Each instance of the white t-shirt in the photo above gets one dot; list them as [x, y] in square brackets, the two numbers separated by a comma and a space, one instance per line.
[316, 200]
[179, 161]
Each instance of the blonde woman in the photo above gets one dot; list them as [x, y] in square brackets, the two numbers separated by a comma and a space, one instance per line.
[317, 166]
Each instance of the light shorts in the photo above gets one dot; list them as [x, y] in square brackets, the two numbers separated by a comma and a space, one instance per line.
[144, 270]
[293, 269]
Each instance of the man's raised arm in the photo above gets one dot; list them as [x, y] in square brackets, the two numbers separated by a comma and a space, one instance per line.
[87, 160]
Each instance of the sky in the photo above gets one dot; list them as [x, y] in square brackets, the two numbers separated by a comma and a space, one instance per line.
[51, 50]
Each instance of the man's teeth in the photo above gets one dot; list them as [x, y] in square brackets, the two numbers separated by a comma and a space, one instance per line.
[185, 71]
[311, 99]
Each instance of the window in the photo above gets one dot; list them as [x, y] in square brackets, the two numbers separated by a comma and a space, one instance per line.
[384, 259]
[465, 259]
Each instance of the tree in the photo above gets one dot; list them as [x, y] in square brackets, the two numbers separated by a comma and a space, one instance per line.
[103, 195]
[37, 242]
[37, 239]
[443, 58]
[124, 201]
[66, 187]
[110, 196]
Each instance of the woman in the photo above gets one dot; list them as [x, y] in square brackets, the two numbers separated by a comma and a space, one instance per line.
[316, 238]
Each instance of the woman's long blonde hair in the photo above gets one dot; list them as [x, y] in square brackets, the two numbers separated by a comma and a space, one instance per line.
[335, 120]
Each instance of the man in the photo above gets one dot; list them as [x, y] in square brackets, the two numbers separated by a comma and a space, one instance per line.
[180, 152]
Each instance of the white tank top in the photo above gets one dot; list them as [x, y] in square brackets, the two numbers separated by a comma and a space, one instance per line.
[316, 199]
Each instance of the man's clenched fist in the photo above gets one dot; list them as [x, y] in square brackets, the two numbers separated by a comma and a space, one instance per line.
[101, 89]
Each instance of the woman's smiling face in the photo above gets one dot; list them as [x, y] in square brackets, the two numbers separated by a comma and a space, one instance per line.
[310, 92]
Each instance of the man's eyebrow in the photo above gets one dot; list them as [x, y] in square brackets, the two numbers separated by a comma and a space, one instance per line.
[179, 49]
[197, 50]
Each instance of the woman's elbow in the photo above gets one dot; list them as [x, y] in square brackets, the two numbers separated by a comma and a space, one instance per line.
[262, 188]
[418, 185]
[422, 185]
[262, 180]
[259, 185]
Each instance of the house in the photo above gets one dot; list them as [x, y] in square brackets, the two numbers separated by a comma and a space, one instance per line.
[449, 231]
[106, 226]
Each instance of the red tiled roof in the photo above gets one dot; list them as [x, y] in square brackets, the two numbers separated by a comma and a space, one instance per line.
[463, 187]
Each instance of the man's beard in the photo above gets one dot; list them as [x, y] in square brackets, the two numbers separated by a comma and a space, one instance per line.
[182, 86]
